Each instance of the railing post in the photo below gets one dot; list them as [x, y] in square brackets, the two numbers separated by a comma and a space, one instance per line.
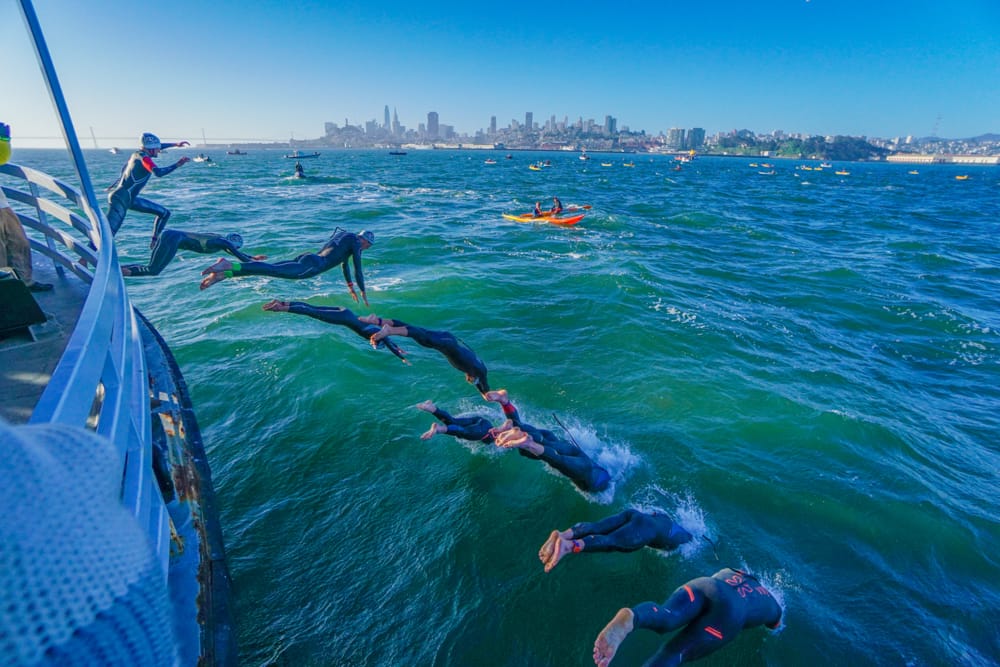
[43, 219]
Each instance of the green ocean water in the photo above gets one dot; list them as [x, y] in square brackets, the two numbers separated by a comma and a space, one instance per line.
[802, 367]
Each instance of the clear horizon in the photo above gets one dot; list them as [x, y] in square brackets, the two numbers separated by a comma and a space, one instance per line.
[264, 71]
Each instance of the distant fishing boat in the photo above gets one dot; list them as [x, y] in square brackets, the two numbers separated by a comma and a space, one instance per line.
[236, 152]
[295, 155]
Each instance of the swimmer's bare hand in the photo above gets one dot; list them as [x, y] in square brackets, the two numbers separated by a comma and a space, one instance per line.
[277, 306]
[258, 258]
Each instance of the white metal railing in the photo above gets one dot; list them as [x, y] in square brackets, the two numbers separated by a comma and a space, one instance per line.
[100, 381]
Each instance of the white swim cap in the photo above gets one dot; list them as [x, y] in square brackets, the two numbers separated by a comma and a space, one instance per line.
[150, 141]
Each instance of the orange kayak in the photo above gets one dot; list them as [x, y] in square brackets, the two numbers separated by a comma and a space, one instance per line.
[555, 220]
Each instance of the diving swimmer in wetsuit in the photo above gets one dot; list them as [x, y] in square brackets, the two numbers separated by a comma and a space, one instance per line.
[334, 315]
[470, 427]
[172, 240]
[124, 195]
[630, 530]
[458, 354]
[531, 442]
[712, 610]
[341, 247]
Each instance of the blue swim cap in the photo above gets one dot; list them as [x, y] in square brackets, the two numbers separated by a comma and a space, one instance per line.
[367, 235]
[235, 239]
[150, 141]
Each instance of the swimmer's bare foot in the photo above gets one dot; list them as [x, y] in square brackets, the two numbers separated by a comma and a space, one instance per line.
[497, 396]
[211, 279]
[511, 438]
[546, 551]
[612, 636]
[433, 430]
[562, 547]
[126, 271]
[221, 264]
[371, 319]
[382, 333]
[426, 406]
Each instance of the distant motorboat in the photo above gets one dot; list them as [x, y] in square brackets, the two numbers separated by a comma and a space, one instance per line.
[393, 153]
[489, 161]
[202, 158]
[114, 151]
[236, 152]
[295, 155]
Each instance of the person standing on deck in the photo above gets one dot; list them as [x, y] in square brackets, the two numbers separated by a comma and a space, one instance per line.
[15, 249]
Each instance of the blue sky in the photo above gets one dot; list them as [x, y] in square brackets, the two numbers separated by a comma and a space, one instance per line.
[270, 70]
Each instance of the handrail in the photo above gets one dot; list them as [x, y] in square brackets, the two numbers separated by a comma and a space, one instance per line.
[100, 380]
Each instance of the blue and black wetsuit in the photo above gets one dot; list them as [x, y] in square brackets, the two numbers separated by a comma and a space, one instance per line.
[124, 195]
[341, 247]
[344, 317]
[172, 240]
[568, 459]
[471, 427]
[712, 609]
[564, 456]
[458, 354]
[629, 531]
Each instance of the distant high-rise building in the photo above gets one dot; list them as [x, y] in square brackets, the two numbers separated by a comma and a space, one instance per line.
[493, 125]
[432, 124]
[610, 125]
[675, 138]
[387, 126]
[696, 137]
[395, 124]
[529, 122]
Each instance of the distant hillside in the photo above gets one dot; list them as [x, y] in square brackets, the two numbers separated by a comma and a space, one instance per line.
[982, 138]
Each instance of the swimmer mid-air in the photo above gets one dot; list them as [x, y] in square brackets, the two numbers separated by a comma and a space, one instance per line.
[124, 195]
[335, 315]
[458, 354]
[172, 240]
[341, 247]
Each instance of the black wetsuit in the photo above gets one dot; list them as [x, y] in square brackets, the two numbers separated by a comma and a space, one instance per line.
[472, 427]
[172, 240]
[564, 456]
[343, 317]
[458, 354]
[124, 195]
[341, 247]
[629, 531]
[712, 609]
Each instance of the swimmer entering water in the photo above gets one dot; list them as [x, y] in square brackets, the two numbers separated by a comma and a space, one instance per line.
[630, 530]
[711, 610]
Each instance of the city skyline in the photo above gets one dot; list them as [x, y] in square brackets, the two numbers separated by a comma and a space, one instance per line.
[263, 71]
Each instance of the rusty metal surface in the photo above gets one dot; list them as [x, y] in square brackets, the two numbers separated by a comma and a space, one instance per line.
[199, 578]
